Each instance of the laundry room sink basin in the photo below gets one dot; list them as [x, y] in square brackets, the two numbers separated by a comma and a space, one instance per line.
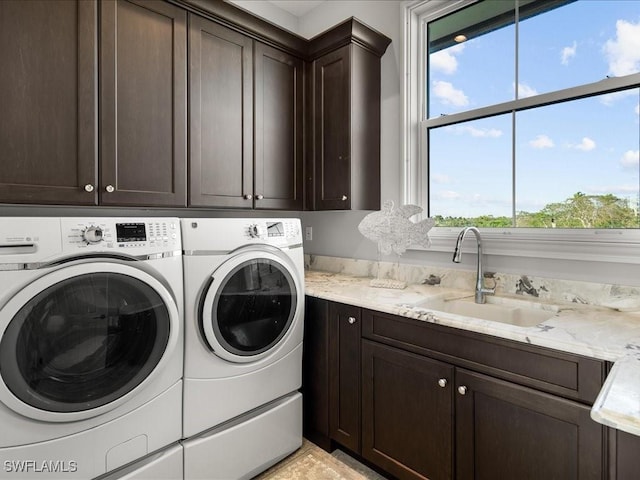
[496, 309]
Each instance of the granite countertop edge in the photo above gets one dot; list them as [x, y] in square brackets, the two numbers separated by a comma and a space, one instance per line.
[595, 332]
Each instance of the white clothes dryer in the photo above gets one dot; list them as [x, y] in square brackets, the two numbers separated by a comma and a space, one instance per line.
[244, 317]
[91, 343]
[167, 464]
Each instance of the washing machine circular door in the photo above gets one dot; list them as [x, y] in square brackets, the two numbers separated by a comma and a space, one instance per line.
[83, 339]
[251, 305]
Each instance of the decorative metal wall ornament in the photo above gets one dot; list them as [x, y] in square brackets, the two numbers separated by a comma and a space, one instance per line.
[393, 231]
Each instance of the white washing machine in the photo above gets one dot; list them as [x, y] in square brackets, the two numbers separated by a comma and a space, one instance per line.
[244, 317]
[91, 343]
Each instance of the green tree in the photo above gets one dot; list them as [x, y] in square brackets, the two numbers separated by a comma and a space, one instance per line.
[579, 211]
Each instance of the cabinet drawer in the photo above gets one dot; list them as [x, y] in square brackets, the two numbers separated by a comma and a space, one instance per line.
[567, 375]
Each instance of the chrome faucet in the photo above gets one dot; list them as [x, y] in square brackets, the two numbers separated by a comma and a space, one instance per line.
[481, 291]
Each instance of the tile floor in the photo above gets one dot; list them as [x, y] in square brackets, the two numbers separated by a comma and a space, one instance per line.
[310, 462]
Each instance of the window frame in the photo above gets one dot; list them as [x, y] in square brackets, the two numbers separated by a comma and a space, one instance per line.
[607, 245]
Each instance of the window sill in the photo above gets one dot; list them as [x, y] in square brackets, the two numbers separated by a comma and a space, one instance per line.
[617, 246]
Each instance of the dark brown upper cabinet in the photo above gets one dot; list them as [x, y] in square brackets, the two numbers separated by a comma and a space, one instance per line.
[278, 100]
[48, 128]
[345, 159]
[221, 116]
[143, 103]
[245, 121]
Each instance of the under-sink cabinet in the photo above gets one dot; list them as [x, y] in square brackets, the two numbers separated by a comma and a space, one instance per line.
[439, 403]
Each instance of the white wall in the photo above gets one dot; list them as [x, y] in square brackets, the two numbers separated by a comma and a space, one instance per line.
[269, 12]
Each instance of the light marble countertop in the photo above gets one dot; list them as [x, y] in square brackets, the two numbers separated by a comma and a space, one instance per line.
[597, 332]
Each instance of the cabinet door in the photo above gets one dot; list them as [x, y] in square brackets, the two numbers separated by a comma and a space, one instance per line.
[143, 103]
[625, 456]
[48, 101]
[407, 413]
[332, 130]
[507, 431]
[278, 129]
[344, 375]
[221, 118]
[315, 372]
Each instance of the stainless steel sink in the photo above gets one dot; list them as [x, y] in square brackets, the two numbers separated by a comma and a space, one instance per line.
[496, 309]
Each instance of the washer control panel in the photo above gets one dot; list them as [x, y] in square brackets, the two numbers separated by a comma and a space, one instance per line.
[121, 234]
[274, 231]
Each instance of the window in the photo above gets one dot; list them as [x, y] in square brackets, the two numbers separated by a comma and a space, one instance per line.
[522, 117]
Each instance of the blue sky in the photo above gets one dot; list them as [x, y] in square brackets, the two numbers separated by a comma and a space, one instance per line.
[589, 145]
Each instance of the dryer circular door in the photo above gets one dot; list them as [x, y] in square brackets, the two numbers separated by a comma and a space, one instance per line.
[82, 339]
[253, 302]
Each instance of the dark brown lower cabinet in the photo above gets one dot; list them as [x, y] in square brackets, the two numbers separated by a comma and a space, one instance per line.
[423, 401]
[508, 431]
[344, 375]
[331, 374]
[625, 456]
[407, 413]
[315, 372]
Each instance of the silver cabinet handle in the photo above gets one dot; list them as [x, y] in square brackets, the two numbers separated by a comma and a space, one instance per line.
[351, 320]
[88, 188]
[109, 188]
[259, 197]
[462, 390]
[344, 198]
[248, 196]
[442, 382]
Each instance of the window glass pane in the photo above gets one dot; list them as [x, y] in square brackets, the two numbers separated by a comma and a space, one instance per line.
[577, 163]
[591, 40]
[476, 72]
[471, 174]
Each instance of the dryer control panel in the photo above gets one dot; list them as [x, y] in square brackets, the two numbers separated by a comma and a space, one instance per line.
[271, 229]
[227, 234]
[132, 235]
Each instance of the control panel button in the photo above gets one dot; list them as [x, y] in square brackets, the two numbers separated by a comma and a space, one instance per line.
[255, 231]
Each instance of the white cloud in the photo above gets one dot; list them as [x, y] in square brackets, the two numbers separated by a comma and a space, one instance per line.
[448, 195]
[567, 53]
[445, 61]
[440, 178]
[483, 132]
[610, 98]
[630, 159]
[586, 145]
[525, 91]
[623, 53]
[449, 95]
[476, 132]
[542, 141]
[613, 189]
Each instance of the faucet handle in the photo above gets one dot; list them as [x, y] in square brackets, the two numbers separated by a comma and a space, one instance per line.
[490, 290]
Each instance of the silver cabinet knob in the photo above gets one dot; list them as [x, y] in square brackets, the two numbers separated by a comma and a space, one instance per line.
[351, 320]
[442, 382]
[109, 188]
[88, 188]
[462, 390]
[248, 196]
[344, 198]
[259, 197]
